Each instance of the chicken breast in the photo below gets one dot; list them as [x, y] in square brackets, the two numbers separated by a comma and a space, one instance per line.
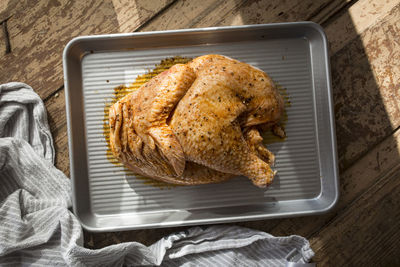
[196, 123]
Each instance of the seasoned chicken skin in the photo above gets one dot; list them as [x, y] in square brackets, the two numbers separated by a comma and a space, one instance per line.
[195, 123]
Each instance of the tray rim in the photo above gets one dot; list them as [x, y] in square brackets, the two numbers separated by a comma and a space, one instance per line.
[77, 40]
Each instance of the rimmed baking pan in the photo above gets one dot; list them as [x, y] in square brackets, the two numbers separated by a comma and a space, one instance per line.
[107, 198]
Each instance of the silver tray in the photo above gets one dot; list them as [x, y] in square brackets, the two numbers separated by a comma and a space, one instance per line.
[295, 55]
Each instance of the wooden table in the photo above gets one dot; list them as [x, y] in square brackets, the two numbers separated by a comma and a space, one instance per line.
[364, 39]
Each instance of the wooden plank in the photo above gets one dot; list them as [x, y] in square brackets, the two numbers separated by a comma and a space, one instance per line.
[40, 30]
[365, 79]
[379, 163]
[357, 18]
[329, 10]
[2, 41]
[208, 13]
[128, 12]
[56, 116]
[367, 232]
[8, 8]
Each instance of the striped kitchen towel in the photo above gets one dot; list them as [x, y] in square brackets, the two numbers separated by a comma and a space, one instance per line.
[36, 227]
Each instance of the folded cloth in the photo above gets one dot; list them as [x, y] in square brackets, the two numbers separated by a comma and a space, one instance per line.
[36, 227]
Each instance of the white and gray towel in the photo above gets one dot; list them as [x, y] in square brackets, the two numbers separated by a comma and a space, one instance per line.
[36, 227]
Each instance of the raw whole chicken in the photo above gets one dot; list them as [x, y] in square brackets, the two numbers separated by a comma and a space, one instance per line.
[195, 123]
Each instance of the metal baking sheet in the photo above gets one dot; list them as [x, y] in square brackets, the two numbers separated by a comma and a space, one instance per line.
[106, 198]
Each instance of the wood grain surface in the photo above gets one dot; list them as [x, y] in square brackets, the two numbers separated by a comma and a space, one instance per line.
[39, 30]
[367, 70]
[3, 38]
[366, 232]
[233, 12]
[364, 227]
[56, 116]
